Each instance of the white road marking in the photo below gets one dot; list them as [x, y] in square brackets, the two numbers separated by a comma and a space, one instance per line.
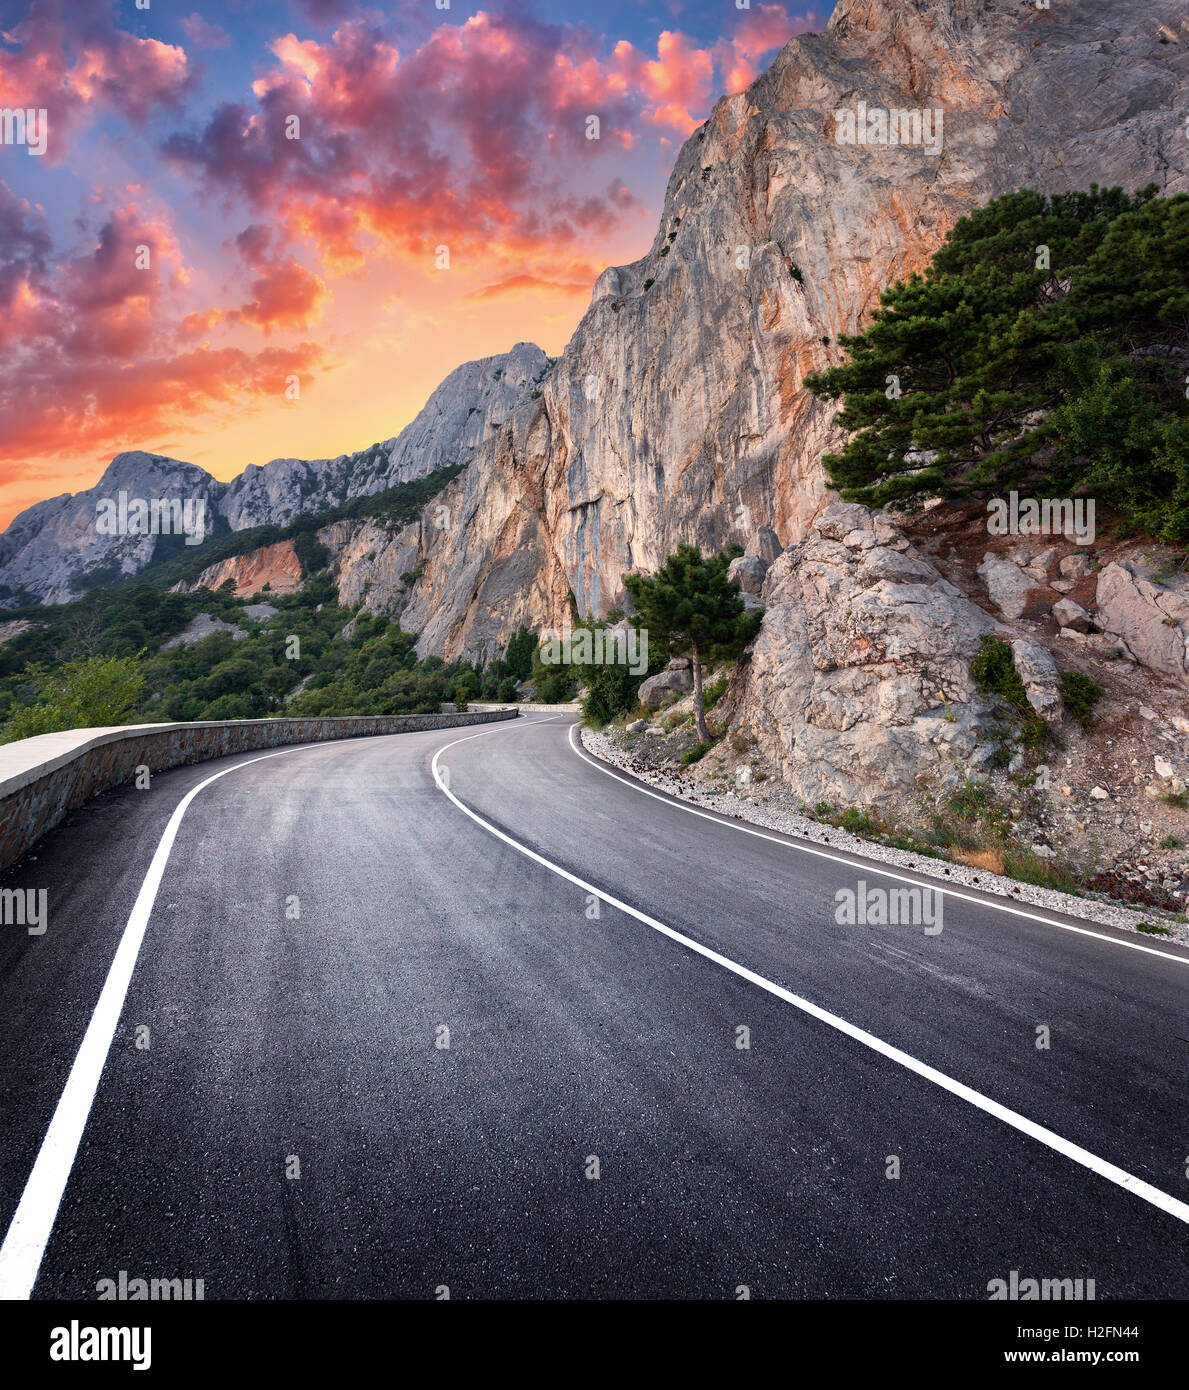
[871, 866]
[33, 1220]
[1065, 1147]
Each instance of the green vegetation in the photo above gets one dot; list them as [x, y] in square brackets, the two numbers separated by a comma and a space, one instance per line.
[994, 672]
[858, 822]
[691, 607]
[612, 688]
[98, 661]
[87, 694]
[696, 753]
[969, 827]
[1080, 693]
[715, 691]
[969, 801]
[1043, 348]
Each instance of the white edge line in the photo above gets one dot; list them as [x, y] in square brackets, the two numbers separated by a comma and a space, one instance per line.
[872, 866]
[33, 1221]
[1065, 1147]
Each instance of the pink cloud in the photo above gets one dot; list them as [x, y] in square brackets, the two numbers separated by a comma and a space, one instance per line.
[72, 60]
[471, 139]
[203, 34]
[98, 352]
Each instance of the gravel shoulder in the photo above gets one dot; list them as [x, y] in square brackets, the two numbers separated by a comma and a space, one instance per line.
[775, 808]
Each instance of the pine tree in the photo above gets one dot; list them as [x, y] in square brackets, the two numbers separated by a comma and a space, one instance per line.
[1046, 342]
[690, 605]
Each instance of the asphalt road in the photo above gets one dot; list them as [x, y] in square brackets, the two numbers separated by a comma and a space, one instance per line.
[296, 1128]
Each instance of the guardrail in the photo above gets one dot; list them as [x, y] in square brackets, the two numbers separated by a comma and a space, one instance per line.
[569, 707]
[43, 779]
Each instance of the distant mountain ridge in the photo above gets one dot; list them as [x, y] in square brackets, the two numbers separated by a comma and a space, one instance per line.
[48, 550]
[678, 411]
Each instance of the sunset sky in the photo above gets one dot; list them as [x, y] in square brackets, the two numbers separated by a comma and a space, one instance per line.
[269, 256]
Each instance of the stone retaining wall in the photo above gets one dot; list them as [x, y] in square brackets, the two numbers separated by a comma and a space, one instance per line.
[43, 779]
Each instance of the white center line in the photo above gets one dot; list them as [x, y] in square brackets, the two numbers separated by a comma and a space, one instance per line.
[871, 866]
[1136, 1186]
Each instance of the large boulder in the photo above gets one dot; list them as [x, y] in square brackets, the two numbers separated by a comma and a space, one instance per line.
[1151, 621]
[665, 685]
[1008, 586]
[839, 519]
[748, 572]
[1076, 566]
[1071, 615]
[859, 680]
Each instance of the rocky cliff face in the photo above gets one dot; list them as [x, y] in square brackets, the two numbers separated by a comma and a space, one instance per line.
[49, 548]
[859, 681]
[53, 544]
[678, 410]
[274, 565]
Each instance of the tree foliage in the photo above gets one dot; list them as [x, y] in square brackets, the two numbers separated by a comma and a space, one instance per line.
[691, 606]
[1045, 345]
[95, 692]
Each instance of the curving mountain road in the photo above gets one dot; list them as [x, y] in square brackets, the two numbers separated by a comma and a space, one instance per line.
[297, 1129]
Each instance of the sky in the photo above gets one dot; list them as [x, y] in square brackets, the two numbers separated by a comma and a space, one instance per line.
[269, 228]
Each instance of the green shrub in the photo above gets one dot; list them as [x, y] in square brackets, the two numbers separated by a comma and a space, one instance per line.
[715, 691]
[1027, 867]
[100, 691]
[859, 822]
[1080, 693]
[994, 671]
[695, 754]
[969, 801]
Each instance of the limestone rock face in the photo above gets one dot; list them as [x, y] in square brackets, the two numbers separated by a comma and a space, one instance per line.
[48, 550]
[678, 411]
[274, 565]
[764, 544]
[374, 565]
[859, 681]
[1151, 620]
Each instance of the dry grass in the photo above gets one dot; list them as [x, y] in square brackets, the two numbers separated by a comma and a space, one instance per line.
[989, 860]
